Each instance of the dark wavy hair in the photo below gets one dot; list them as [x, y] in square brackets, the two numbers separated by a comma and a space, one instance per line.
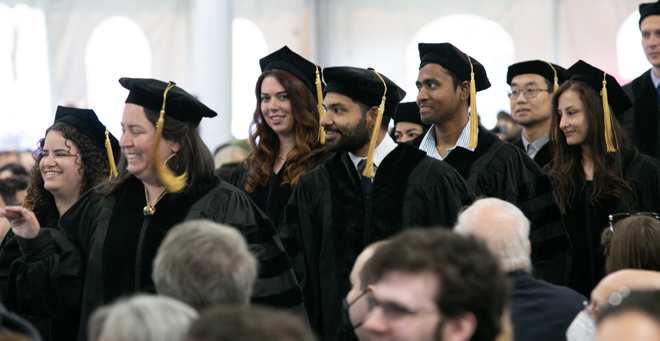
[265, 142]
[567, 174]
[194, 156]
[94, 169]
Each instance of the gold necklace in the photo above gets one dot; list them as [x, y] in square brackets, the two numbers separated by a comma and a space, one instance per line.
[151, 210]
[280, 157]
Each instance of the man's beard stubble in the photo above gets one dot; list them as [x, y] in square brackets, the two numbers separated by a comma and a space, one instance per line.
[351, 138]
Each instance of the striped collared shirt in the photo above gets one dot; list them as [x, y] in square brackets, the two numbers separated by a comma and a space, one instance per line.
[382, 150]
[428, 142]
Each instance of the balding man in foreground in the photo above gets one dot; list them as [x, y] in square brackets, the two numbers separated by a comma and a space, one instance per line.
[539, 310]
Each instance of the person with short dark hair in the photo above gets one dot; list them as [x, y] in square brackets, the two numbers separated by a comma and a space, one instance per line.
[633, 243]
[539, 310]
[635, 316]
[12, 169]
[532, 84]
[641, 121]
[203, 264]
[595, 171]
[243, 323]
[13, 190]
[433, 284]
[103, 247]
[448, 83]
[370, 189]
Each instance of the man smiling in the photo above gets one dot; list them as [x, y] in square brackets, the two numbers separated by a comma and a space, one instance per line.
[369, 190]
[448, 81]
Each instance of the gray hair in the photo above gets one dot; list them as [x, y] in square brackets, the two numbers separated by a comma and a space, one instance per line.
[203, 264]
[147, 318]
[505, 230]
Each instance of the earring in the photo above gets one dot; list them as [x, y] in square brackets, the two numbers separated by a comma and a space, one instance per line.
[372, 126]
[168, 158]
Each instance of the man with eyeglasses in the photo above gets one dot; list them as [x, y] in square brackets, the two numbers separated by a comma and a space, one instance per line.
[448, 81]
[532, 84]
[641, 121]
[433, 284]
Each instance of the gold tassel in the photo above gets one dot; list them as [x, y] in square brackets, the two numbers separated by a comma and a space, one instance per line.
[369, 168]
[111, 156]
[319, 98]
[166, 176]
[610, 140]
[474, 119]
[556, 78]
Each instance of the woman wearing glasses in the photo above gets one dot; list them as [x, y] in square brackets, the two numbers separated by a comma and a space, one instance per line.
[595, 171]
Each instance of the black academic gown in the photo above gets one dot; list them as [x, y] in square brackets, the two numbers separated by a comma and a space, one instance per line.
[271, 198]
[585, 223]
[641, 121]
[499, 169]
[329, 220]
[104, 247]
[542, 157]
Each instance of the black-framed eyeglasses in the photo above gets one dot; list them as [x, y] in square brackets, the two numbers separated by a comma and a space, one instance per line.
[619, 216]
[528, 92]
[346, 305]
[393, 311]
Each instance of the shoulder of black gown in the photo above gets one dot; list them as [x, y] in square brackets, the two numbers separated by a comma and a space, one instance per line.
[417, 141]
[517, 141]
[642, 173]
[239, 176]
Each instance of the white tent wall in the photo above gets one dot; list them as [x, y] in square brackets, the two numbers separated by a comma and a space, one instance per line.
[190, 40]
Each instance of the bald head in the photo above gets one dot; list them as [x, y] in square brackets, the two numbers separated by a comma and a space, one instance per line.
[630, 279]
[503, 227]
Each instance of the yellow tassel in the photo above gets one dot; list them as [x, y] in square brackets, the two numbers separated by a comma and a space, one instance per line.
[369, 167]
[319, 98]
[610, 140]
[166, 176]
[556, 78]
[111, 156]
[474, 119]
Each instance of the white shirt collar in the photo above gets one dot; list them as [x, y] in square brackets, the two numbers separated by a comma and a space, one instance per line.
[428, 142]
[382, 150]
[532, 148]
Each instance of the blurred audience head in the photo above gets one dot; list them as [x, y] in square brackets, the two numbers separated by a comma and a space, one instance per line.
[632, 243]
[433, 284]
[355, 305]
[15, 328]
[229, 153]
[503, 227]
[631, 316]
[13, 190]
[9, 156]
[243, 323]
[144, 318]
[12, 169]
[203, 263]
[28, 160]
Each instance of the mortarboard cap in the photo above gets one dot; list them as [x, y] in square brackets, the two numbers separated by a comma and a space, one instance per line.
[88, 124]
[465, 68]
[180, 104]
[648, 9]
[610, 91]
[552, 72]
[308, 72]
[408, 112]
[364, 86]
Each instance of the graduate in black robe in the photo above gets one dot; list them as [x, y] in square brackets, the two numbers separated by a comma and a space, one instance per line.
[641, 120]
[492, 167]
[104, 245]
[596, 173]
[532, 84]
[340, 207]
[284, 133]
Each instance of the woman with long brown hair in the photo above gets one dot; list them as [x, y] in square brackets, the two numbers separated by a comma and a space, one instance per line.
[284, 134]
[595, 171]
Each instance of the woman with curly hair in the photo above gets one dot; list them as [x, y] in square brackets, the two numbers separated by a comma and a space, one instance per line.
[284, 134]
[595, 171]
[71, 159]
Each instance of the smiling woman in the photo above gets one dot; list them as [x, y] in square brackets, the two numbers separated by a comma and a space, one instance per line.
[284, 133]
[595, 171]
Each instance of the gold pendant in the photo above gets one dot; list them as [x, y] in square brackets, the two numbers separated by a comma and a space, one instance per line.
[149, 210]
